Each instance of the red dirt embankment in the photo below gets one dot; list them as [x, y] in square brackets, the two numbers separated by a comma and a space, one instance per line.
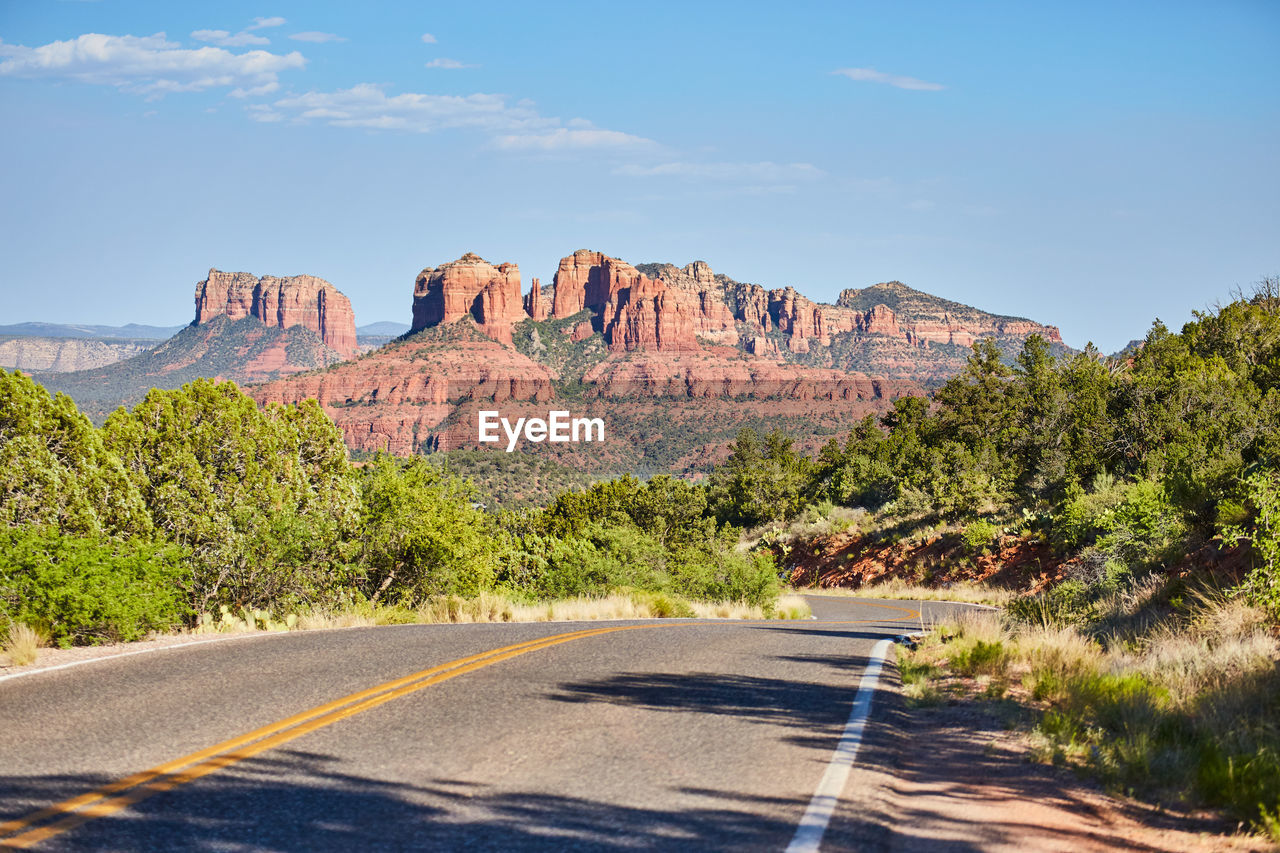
[852, 560]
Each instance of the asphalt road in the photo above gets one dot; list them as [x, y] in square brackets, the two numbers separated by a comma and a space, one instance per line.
[675, 734]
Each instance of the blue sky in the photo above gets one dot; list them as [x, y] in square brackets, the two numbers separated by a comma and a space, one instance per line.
[1092, 165]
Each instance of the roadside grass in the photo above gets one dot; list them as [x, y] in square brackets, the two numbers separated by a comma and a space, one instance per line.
[22, 644]
[965, 592]
[1182, 708]
[496, 607]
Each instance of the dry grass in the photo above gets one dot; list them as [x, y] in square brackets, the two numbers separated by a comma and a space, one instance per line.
[493, 607]
[1181, 708]
[815, 522]
[22, 645]
[896, 588]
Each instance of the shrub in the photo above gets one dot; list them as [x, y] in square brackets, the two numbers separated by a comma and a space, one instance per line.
[22, 644]
[1262, 586]
[980, 536]
[981, 658]
[85, 590]
[421, 535]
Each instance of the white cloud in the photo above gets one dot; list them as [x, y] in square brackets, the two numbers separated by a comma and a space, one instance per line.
[318, 38]
[516, 126]
[222, 38]
[451, 64]
[263, 23]
[563, 138]
[870, 75]
[427, 38]
[150, 65]
[763, 172]
[367, 105]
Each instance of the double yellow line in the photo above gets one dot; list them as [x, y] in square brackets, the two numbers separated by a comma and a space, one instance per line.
[109, 799]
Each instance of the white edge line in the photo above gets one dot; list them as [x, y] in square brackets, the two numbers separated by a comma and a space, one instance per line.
[813, 825]
[245, 635]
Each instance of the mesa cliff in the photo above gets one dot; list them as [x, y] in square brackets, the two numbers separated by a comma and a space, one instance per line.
[246, 329]
[63, 355]
[675, 359]
[888, 329]
[300, 300]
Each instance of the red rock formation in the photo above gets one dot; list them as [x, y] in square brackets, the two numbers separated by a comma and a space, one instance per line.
[469, 286]
[398, 398]
[536, 305]
[646, 316]
[577, 283]
[300, 300]
[634, 311]
[705, 375]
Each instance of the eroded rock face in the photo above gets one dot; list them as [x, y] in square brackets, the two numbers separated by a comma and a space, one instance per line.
[300, 300]
[469, 286]
[634, 311]
[537, 305]
[398, 398]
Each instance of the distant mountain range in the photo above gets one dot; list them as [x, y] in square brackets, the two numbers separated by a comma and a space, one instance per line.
[382, 329]
[674, 359]
[132, 331]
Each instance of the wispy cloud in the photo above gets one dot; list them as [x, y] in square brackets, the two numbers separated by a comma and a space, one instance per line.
[264, 23]
[565, 138]
[367, 105]
[317, 38]
[451, 64]
[427, 38]
[222, 38]
[514, 125]
[870, 75]
[150, 65]
[762, 172]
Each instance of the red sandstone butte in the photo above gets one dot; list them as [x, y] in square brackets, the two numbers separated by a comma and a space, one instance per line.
[636, 312]
[469, 286]
[300, 300]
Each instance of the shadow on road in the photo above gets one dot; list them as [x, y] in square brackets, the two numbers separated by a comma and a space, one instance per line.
[297, 801]
[818, 709]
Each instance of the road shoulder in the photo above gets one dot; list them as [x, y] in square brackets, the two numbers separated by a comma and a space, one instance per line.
[956, 777]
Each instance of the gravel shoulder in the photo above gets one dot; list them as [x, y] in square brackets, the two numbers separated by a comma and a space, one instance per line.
[956, 777]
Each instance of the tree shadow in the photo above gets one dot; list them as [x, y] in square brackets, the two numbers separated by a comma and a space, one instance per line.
[301, 801]
[821, 710]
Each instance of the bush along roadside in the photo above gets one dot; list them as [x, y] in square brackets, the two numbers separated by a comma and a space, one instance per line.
[1162, 694]
[199, 509]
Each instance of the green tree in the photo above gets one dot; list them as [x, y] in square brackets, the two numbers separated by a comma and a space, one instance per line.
[263, 499]
[421, 535]
[760, 481]
[55, 471]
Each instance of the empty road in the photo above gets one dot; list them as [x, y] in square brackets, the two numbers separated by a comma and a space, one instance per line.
[677, 734]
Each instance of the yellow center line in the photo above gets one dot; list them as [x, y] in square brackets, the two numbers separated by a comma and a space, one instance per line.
[165, 777]
[325, 713]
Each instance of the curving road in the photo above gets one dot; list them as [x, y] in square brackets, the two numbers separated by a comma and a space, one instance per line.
[676, 734]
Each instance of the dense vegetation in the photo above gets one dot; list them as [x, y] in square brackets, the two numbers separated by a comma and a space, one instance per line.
[1141, 664]
[197, 500]
[1128, 464]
